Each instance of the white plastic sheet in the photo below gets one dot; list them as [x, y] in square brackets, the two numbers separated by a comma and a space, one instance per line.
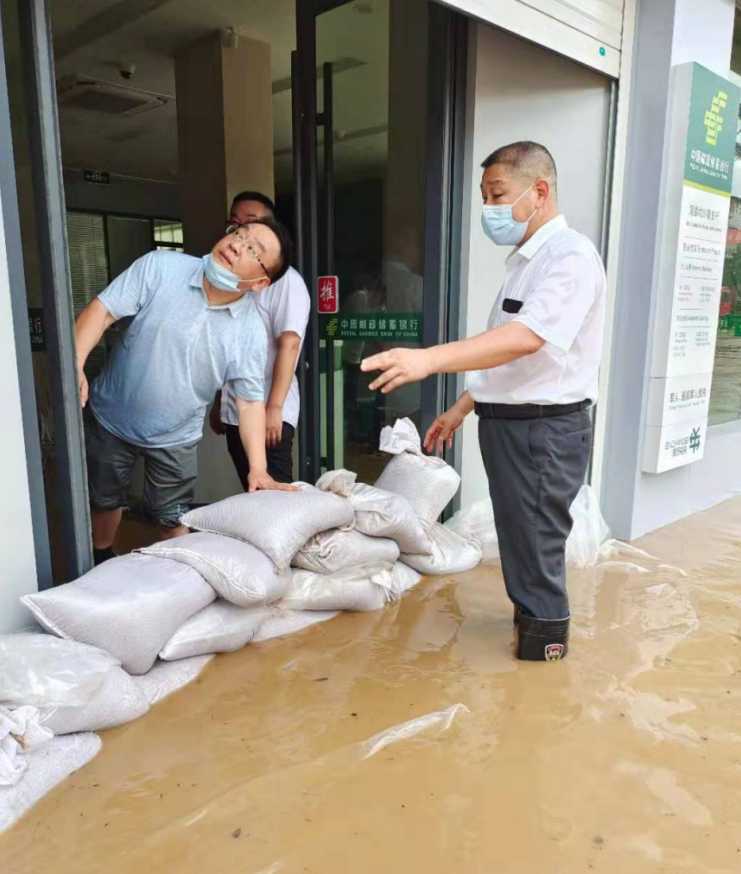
[47, 767]
[588, 543]
[167, 677]
[42, 670]
[20, 732]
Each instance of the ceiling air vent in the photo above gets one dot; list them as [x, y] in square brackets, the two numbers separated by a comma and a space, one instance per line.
[95, 95]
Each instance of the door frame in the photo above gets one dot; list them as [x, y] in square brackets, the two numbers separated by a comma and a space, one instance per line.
[443, 206]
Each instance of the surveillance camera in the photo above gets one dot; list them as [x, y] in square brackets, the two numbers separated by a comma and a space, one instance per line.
[127, 71]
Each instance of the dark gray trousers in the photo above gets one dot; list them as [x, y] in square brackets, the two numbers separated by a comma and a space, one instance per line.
[535, 468]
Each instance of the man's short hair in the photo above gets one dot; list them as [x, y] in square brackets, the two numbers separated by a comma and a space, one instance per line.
[286, 247]
[256, 196]
[527, 159]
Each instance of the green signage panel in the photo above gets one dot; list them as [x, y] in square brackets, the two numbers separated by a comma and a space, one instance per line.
[387, 327]
[711, 136]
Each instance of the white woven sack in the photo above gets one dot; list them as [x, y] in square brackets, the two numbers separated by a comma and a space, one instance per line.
[451, 553]
[405, 577]
[118, 701]
[427, 482]
[129, 606]
[40, 669]
[379, 513]
[165, 678]
[342, 548]
[237, 571]
[220, 627]
[284, 622]
[277, 523]
[359, 589]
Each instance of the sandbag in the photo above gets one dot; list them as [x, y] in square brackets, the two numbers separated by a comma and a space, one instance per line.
[220, 627]
[476, 523]
[277, 523]
[129, 606]
[44, 671]
[359, 589]
[165, 678]
[237, 571]
[405, 577]
[118, 701]
[333, 551]
[427, 482]
[379, 513]
[283, 622]
[451, 553]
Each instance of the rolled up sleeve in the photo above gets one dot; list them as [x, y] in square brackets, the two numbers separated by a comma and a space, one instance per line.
[556, 308]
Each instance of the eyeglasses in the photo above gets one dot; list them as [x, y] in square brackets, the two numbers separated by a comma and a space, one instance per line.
[234, 229]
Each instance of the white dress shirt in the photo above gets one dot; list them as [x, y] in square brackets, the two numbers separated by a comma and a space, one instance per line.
[284, 307]
[559, 278]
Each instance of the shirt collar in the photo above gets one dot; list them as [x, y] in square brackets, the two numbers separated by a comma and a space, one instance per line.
[541, 236]
[196, 281]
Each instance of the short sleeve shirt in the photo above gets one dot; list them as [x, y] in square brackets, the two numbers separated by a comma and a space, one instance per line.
[283, 307]
[555, 285]
[176, 352]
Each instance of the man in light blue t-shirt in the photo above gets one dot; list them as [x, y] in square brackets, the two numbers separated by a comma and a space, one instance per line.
[192, 330]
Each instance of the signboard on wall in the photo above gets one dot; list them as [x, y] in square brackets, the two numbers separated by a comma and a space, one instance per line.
[696, 196]
[381, 326]
[328, 294]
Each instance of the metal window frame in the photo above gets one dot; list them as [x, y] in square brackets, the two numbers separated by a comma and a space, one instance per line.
[443, 205]
[19, 306]
[36, 38]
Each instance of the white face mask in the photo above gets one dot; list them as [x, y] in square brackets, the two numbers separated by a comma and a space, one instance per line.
[501, 227]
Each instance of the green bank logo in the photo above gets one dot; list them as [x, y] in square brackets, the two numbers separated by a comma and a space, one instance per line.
[714, 117]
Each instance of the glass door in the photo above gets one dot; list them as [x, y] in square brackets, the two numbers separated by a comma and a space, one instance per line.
[373, 136]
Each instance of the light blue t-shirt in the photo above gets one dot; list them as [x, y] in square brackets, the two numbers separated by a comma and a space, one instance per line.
[176, 353]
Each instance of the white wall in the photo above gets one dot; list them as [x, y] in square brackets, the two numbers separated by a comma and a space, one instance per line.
[522, 91]
[17, 557]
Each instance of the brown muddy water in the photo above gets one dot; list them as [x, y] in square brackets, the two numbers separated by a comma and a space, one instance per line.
[411, 741]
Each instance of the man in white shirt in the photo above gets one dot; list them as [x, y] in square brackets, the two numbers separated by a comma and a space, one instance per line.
[284, 310]
[532, 377]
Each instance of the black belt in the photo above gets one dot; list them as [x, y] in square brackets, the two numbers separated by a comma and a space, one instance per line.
[528, 411]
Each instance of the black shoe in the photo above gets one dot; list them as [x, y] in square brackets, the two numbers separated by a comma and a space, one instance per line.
[101, 555]
[542, 640]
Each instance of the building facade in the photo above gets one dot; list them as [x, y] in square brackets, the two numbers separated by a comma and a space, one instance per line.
[373, 119]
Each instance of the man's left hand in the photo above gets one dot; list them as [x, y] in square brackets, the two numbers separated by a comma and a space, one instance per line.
[257, 482]
[399, 367]
[273, 425]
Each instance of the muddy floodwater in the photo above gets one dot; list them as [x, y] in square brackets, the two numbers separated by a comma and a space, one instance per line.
[411, 741]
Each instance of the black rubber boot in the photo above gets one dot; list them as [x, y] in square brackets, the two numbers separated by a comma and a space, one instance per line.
[542, 640]
[101, 555]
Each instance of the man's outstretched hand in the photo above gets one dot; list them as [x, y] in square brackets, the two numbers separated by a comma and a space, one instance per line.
[399, 367]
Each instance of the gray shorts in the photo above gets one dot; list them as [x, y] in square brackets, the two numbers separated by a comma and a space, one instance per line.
[169, 474]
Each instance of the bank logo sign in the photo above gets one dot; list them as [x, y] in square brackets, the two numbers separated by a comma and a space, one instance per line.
[715, 118]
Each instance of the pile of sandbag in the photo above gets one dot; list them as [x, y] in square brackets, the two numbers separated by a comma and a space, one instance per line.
[256, 566]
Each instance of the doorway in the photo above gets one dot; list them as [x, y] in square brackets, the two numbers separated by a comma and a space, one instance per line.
[369, 202]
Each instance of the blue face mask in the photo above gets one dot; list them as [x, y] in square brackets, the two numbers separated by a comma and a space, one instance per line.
[501, 227]
[220, 277]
